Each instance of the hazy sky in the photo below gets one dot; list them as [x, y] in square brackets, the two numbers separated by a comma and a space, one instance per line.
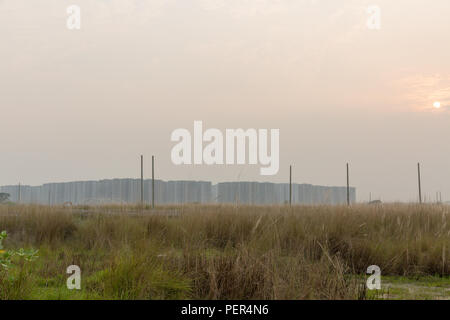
[84, 104]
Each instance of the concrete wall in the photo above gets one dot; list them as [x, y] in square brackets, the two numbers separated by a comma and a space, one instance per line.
[177, 192]
[272, 193]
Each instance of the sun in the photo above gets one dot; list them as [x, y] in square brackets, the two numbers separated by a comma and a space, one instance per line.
[437, 104]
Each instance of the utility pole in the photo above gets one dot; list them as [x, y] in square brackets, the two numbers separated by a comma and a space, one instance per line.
[153, 182]
[348, 186]
[142, 180]
[290, 185]
[420, 183]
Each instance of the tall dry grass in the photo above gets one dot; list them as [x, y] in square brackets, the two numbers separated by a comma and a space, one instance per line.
[225, 251]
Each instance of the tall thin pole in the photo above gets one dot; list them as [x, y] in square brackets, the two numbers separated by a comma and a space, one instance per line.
[290, 185]
[142, 179]
[153, 181]
[420, 183]
[348, 186]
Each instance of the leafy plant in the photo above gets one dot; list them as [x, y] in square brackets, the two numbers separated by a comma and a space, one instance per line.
[6, 257]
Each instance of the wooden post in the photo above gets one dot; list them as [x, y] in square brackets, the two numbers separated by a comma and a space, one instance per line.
[142, 180]
[348, 185]
[290, 185]
[420, 183]
[153, 181]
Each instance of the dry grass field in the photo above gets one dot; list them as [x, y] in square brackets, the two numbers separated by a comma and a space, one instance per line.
[228, 252]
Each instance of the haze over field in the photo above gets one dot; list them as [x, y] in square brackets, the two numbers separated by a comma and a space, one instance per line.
[83, 105]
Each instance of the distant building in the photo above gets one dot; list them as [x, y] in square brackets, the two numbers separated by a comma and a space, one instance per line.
[256, 193]
[177, 192]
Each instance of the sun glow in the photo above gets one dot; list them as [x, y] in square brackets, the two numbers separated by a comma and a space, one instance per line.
[437, 105]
